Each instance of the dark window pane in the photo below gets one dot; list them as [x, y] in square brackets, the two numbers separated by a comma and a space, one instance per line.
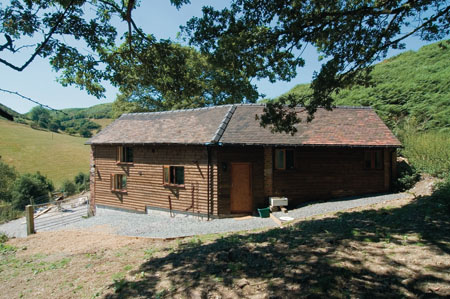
[179, 175]
[279, 159]
[128, 154]
[289, 159]
[172, 174]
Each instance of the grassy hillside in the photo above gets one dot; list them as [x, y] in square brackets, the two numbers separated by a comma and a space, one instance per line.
[58, 156]
[96, 111]
[103, 122]
[9, 110]
[412, 86]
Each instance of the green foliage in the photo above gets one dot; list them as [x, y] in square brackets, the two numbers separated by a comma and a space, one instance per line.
[7, 176]
[407, 176]
[98, 111]
[166, 76]
[84, 132]
[428, 151]
[266, 39]
[411, 88]
[3, 238]
[8, 212]
[82, 181]
[30, 189]
[68, 187]
[40, 116]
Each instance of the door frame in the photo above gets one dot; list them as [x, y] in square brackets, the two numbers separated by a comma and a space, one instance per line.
[250, 179]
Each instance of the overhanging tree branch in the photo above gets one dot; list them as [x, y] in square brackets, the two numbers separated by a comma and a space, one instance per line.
[43, 44]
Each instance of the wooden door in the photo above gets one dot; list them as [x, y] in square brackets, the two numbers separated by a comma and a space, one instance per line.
[241, 188]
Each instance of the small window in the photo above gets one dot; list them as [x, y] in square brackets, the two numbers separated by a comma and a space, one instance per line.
[125, 154]
[173, 175]
[284, 159]
[373, 159]
[118, 182]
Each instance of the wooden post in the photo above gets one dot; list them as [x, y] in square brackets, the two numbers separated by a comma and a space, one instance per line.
[93, 172]
[29, 212]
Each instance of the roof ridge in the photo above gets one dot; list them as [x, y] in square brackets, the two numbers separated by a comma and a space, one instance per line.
[177, 110]
[223, 125]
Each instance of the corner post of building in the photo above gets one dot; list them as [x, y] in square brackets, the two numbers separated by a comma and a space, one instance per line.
[92, 172]
[268, 171]
[29, 214]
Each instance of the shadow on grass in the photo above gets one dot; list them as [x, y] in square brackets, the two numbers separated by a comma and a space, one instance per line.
[335, 257]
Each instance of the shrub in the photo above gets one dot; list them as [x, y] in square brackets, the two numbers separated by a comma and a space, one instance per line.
[82, 181]
[407, 176]
[69, 187]
[29, 189]
[7, 177]
[84, 132]
[3, 238]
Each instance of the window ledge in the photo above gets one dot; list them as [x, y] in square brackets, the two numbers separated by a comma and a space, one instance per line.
[119, 191]
[174, 186]
[125, 163]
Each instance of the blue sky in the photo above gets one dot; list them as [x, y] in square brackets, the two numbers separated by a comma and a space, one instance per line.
[38, 81]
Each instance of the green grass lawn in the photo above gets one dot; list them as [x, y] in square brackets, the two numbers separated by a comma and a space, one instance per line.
[58, 156]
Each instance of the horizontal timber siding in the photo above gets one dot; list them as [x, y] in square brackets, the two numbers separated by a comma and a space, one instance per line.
[145, 179]
[325, 173]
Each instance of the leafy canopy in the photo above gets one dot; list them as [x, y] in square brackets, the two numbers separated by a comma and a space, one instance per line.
[248, 40]
[151, 74]
[265, 39]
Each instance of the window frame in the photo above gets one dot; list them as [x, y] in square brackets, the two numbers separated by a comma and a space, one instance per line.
[374, 156]
[284, 150]
[171, 170]
[115, 182]
[122, 156]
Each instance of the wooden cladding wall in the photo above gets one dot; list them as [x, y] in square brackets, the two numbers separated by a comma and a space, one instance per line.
[251, 154]
[324, 173]
[145, 179]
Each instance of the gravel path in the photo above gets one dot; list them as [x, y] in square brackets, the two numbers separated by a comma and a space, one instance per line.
[161, 225]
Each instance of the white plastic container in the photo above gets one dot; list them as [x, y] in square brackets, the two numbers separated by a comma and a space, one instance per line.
[278, 201]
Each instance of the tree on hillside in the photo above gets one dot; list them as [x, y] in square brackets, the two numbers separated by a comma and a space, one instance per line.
[40, 116]
[249, 40]
[266, 39]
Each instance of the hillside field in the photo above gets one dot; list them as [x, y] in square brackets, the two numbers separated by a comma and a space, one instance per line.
[58, 156]
[103, 122]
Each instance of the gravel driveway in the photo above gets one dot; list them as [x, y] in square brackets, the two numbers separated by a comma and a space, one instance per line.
[161, 225]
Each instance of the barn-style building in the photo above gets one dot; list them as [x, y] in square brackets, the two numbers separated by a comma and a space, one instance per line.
[218, 161]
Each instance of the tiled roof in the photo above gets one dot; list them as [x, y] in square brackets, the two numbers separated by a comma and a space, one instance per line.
[236, 124]
[191, 126]
[343, 126]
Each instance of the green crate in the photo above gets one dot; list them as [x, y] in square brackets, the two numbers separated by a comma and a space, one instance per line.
[264, 213]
